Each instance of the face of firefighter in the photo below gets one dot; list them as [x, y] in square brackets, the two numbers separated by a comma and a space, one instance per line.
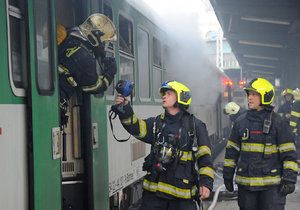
[169, 98]
[288, 97]
[254, 100]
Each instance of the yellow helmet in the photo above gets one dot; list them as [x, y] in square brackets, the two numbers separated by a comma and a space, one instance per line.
[61, 33]
[296, 94]
[184, 98]
[231, 108]
[286, 91]
[264, 88]
[98, 28]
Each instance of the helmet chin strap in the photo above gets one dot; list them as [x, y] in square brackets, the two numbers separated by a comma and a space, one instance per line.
[176, 104]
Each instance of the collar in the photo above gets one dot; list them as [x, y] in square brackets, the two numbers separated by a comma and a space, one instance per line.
[255, 115]
[173, 118]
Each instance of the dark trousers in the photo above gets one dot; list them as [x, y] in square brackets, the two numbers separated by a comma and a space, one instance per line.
[151, 202]
[270, 199]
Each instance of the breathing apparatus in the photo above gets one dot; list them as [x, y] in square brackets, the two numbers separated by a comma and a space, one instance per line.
[125, 88]
[165, 151]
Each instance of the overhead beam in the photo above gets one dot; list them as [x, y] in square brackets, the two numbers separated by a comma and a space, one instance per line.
[263, 10]
[268, 39]
[259, 51]
[260, 61]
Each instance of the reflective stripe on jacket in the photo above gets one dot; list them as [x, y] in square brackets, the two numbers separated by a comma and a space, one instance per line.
[295, 116]
[260, 160]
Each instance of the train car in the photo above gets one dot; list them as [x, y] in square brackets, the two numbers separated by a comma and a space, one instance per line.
[91, 170]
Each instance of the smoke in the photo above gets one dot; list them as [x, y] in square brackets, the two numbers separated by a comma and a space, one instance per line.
[188, 58]
[188, 61]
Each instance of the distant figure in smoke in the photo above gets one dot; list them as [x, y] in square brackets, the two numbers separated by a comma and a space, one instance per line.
[233, 110]
[285, 109]
[295, 120]
[79, 50]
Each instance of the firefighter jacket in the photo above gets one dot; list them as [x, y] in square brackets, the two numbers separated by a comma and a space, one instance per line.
[77, 67]
[295, 117]
[233, 117]
[285, 109]
[261, 160]
[180, 178]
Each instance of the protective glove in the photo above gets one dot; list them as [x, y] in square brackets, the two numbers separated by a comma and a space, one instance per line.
[229, 185]
[110, 67]
[287, 187]
[99, 51]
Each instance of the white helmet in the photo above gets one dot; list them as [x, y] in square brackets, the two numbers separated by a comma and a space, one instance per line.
[296, 94]
[231, 108]
[98, 28]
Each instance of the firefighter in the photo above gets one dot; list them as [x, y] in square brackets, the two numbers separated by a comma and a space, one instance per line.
[179, 168]
[79, 51]
[295, 119]
[285, 109]
[233, 110]
[262, 152]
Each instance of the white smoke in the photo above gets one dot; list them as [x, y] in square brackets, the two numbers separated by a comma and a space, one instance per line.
[189, 61]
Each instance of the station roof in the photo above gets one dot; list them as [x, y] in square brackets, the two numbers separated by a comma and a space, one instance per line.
[263, 34]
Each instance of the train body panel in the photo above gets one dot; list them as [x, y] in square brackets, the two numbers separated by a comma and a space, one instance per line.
[126, 158]
[13, 150]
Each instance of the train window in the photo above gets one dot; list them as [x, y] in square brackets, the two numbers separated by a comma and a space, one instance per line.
[126, 68]
[143, 63]
[17, 45]
[109, 13]
[157, 81]
[44, 45]
[125, 35]
[166, 57]
[157, 52]
[108, 10]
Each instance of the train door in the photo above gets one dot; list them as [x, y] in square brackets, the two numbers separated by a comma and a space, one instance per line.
[13, 141]
[42, 102]
[77, 157]
[31, 175]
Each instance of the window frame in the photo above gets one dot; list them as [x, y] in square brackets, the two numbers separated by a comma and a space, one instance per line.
[132, 36]
[140, 27]
[21, 92]
[160, 50]
[51, 89]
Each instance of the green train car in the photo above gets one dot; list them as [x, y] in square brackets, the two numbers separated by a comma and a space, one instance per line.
[91, 171]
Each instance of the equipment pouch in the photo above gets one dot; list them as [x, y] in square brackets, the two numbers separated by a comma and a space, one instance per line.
[184, 174]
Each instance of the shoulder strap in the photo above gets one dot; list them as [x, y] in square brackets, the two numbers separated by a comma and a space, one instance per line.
[157, 125]
[188, 123]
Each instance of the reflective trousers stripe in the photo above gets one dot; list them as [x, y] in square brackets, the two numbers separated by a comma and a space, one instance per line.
[169, 189]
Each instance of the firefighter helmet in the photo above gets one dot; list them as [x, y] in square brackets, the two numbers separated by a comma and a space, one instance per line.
[286, 91]
[98, 28]
[264, 88]
[231, 108]
[183, 92]
[296, 94]
[61, 33]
